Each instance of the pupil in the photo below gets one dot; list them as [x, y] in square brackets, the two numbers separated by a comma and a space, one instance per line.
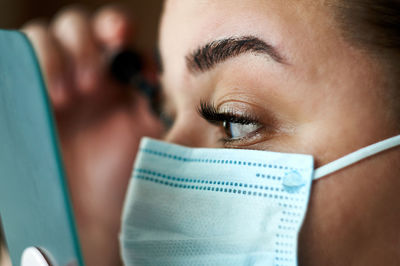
[227, 128]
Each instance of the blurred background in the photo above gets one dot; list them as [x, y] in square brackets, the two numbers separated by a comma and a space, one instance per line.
[15, 13]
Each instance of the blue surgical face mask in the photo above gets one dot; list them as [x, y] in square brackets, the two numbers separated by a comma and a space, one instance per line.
[202, 206]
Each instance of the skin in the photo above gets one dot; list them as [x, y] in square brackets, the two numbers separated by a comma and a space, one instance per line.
[328, 99]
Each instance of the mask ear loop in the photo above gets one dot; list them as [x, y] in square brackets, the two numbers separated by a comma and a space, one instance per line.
[356, 156]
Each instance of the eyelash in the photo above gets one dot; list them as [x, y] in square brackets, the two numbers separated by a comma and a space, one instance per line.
[210, 113]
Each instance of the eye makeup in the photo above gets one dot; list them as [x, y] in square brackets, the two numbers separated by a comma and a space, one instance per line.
[209, 112]
[240, 128]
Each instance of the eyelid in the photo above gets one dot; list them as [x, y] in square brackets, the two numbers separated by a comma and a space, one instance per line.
[242, 113]
[210, 113]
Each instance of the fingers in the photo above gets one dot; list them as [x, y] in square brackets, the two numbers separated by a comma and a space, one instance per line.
[73, 30]
[51, 61]
[73, 50]
[113, 27]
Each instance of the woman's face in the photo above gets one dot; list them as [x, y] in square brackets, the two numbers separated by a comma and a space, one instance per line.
[282, 73]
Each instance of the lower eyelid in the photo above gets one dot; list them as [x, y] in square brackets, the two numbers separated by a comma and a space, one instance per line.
[247, 129]
[264, 133]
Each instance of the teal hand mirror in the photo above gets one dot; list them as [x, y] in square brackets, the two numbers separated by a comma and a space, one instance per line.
[34, 203]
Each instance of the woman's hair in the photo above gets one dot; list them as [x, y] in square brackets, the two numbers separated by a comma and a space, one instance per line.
[374, 26]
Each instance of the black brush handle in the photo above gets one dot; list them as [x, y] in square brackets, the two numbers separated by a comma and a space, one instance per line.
[127, 67]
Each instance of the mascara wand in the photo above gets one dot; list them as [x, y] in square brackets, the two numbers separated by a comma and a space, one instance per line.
[127, 67]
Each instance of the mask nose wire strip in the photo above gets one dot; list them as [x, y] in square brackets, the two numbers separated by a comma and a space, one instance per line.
[357, 156]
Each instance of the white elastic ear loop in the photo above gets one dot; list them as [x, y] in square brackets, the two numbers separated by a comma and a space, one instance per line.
[356, 156]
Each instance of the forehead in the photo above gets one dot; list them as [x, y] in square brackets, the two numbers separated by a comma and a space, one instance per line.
[188, 24]
[197, 21]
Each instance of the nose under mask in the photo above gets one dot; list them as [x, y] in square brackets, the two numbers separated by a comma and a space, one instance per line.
[199, 206]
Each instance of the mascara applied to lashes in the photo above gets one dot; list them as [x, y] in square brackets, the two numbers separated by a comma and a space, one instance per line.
[210, 113]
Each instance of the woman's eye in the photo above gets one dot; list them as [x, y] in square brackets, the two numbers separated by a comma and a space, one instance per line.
[238, 130]
[237, 126]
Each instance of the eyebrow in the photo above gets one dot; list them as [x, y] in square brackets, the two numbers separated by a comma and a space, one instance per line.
[208, 56]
